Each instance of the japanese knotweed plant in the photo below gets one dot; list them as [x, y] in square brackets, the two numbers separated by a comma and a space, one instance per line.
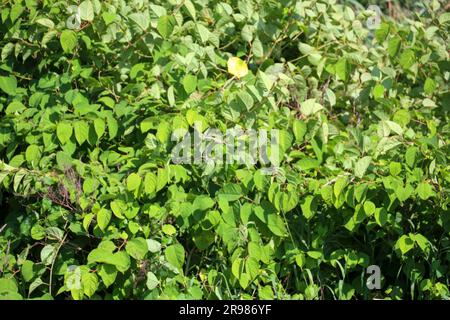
[93, 207]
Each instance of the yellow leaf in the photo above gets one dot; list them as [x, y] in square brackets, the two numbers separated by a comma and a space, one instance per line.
[237, 67]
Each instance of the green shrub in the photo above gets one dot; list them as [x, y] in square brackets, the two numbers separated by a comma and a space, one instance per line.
[93, 207]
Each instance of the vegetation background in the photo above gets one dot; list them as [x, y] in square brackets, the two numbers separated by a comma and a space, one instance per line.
[92, 207]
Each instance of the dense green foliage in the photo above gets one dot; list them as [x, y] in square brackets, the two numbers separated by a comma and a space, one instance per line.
[92, 207]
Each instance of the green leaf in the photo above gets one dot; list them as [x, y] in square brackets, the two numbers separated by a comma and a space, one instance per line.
[299, 127]
[405, 244]
[37, 232]
[48, 254]
[230, 192]
[27, 271]
[190, 9]
[394, 127]
[162, 178]
[404, 193]
[422, 242]
[8, 284]
[16, 12]
[289, 201]
[410, 156]
[331, 97]
[378, 91]
[339, 185]
[276, 224]
[407, 59]
[310, 107]
[81, 129]
[86, 10]
[64, 132]
[175, 255]
[169, 229]
[68, 40]
[108, 274]
[300, 260]
[190, 83]
[203, 32]
[265, 293]
[252, 267]
[382, 32]
[444, 18]
[430, 86]
[203, 239]
[152, 281]
[165, 26]
[89, 185]
[89, 282]
[46, 23]
[153, 245]
[260, 179]
[247, 99]
[113, 127]
[99, 126]
[150, 181]
[381, 216]
[394, 46]
[361, 166]
[308, 164]
[103, 218]
[306, 48]
[360, 191]
[137, 248]
[7, 50]
[33, 155]
[309, 207]
[9, 295]
[163, 132]
[395, 168]
[171, 96]
[142, 19]
[369, 208]
[104, 254]
[203, 203]
[316, 255]
[342, 69]
[8, 85]
[117, 208]
[133, 182]
[424, 190]
[237, 269]
[54, 233]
